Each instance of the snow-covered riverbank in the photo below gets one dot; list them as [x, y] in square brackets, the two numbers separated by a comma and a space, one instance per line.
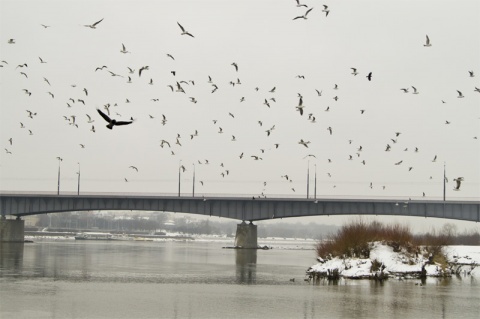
[384, 262]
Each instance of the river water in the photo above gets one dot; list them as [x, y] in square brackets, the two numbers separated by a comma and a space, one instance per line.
[199, 279]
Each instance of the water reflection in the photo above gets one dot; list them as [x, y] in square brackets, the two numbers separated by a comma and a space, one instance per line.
[11, 259]
[246, 265]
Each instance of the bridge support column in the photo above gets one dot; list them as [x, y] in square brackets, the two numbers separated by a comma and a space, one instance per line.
[12, 230]
[246, 236]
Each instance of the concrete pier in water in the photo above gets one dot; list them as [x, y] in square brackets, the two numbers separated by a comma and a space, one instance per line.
[246, 236]
[12, 230]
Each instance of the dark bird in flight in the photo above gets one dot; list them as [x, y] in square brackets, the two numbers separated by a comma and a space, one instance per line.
[304, 16]
[300, 4]
[93, 26]
[141, 69]
[112, 122]
[459, 182]
[300, 106]
[183, 31]
[427, 42]
[369, 76]
[124, 50]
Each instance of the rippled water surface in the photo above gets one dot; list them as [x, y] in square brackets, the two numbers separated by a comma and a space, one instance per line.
[199, 279]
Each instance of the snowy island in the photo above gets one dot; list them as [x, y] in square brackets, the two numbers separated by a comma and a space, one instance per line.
[384, 263]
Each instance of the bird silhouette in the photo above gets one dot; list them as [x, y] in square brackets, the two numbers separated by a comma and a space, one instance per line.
[112, 122]
[93, 26]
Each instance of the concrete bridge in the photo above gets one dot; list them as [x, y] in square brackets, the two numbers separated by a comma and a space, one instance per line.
[239, 208]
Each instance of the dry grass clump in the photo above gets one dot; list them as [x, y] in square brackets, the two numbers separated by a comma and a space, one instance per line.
[353, 239]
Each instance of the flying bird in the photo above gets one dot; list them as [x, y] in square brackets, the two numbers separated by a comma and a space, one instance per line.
[183, 31]
[141, 69]
[369, 76]
[112, 122]
[427, 42]
[300, 106]
[459, 181]
[133, 167]
[460, 95]
[304, 143]
[124, 50]
[304, 16]
[301, 5]
[93, 26]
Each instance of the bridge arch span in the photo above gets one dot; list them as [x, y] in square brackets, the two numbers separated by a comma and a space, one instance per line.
[239, 208]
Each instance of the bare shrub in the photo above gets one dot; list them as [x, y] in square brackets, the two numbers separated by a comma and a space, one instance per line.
[353, 239]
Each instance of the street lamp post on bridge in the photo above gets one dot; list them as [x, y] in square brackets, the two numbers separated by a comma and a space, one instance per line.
[58, 179]
[179, 173]
[78, 183]
[193, 181]
[308, 177]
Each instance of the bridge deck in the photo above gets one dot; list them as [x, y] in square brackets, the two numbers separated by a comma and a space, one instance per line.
[239, 208]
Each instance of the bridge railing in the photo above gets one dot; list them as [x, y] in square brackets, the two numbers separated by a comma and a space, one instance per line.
[240, 195]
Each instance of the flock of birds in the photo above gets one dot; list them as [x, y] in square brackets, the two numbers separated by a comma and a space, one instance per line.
[181, 86]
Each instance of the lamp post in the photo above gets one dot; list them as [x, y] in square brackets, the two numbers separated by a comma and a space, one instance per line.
[58, 179]
[179, 173]
[193, 181]
[315, 190]
[308, 177]
[78, 184]
[444, 182]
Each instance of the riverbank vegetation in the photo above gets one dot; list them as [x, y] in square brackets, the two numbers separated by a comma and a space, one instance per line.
[354, 240]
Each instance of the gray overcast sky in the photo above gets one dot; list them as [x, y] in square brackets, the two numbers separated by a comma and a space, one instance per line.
[271, 49]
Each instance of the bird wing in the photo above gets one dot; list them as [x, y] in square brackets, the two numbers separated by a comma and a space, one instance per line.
[183, 30]
[105, 116]
[97, 22]
[123, 122]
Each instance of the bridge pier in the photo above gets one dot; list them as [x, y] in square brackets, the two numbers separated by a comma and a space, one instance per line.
[12, 230]
[246, 236]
